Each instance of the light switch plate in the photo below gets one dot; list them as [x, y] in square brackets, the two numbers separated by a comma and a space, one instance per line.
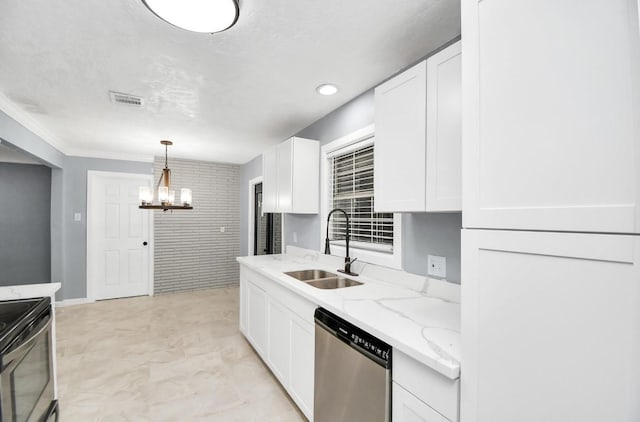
[77, 216]
[223, 229]
[437, 266]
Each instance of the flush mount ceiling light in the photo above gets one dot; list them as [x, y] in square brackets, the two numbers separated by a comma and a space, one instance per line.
[327, 89]
[207, 16]
[166, 196]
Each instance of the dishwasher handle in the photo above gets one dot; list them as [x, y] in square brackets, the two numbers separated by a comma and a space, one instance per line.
[343, 336]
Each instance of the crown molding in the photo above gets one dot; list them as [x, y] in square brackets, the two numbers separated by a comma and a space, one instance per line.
[19, 115]
[109, 155]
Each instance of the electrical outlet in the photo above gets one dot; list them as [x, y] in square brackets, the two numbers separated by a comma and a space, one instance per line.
[437, 266]
[223, 229]
[77, 216]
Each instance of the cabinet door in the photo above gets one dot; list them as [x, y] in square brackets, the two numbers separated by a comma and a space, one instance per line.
[279, 340]
[257, 318]
[408, 408]
[399, 153]
[444, 130]
[285, 173]
[243, 303]
[551, 105]
[270, 180]
[302, 365]
[550, 327]
[306, 175]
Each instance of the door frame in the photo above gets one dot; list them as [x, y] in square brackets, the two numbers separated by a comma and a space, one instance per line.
[251, 218]
[252, 206]
[91, 177]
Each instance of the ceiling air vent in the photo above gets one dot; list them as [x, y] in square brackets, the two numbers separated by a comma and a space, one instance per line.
[127, 99]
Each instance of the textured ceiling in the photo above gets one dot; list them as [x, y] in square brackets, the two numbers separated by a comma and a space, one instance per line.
[222, 97]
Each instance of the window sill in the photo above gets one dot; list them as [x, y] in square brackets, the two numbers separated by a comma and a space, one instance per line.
[384, 259]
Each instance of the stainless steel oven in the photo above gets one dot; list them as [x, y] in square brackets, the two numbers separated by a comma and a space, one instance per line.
[26, 377]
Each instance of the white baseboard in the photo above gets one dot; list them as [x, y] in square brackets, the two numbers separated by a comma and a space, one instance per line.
[72, 302]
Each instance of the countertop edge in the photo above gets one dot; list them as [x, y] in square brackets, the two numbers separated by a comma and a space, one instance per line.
[28, 291]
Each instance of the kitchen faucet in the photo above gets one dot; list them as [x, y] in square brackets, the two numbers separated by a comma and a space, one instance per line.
[327, 250]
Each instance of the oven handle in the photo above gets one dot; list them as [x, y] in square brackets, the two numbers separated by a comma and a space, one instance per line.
[27, 343]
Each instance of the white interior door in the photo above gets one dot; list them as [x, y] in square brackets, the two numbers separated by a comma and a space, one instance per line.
[118, 236]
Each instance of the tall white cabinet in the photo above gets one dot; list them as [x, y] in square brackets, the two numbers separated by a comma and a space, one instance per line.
[550, 327]
[551, 115]
[551, 211]
[417, 154]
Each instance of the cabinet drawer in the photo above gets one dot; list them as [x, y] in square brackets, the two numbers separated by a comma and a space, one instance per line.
[436, 390]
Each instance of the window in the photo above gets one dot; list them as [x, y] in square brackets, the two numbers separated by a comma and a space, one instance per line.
[347, 183]
[352, 191]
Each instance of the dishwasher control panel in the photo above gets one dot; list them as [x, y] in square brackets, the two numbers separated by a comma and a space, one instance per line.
[355, 336]
[372, 346]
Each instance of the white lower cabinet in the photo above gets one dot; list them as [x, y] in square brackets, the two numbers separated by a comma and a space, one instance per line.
[409, 408]
[279, 325]
[257, 317]
[302, 363]
[279, 338]
[422, 394]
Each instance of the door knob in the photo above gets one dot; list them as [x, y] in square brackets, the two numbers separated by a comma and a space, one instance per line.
[144, 243]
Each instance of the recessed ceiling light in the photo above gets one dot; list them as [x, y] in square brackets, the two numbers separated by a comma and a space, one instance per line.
[327, 89]
[207, 16]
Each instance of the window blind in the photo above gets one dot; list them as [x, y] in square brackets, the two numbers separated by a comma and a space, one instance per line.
[352, 190]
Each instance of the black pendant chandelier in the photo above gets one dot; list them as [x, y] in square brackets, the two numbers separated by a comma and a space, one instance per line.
[166, 196]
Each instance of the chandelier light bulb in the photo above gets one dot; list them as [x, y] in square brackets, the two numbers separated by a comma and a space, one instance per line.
[185, 196]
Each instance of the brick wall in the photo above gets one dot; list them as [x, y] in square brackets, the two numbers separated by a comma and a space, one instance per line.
[191, 252]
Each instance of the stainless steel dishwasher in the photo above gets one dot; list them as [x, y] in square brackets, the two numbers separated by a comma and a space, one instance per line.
[352, 373]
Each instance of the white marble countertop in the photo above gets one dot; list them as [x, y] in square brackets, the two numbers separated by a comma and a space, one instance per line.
[416, 315]
[27, 291]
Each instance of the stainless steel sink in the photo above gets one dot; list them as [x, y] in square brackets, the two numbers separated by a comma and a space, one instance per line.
[321, 279]
[307, 275]
[333, 283]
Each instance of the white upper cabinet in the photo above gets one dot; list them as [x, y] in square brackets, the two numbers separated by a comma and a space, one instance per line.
[270, 179]
[551, 129]
[399, 152]
[418, 136]
[444, 130]
[290, 177]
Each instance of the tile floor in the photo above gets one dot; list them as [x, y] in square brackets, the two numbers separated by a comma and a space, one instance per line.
[177, 357]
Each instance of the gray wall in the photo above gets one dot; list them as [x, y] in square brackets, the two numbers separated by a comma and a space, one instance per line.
[26, 141]
[431, 234]
[25, 217]
[423, 234]
[74, 199]
[190, 250]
